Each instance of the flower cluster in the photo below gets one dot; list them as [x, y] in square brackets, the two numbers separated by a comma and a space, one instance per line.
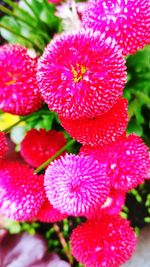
[81, 76]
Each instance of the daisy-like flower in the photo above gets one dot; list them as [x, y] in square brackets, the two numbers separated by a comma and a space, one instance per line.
[101, 130]
[3, 145]
[19, 93]
[76, 184]
[112, 206]
[21, 192]
[81, 75]
[127, 161]
[48, 213]
[127, 21]
[39, 145]
[108, 242]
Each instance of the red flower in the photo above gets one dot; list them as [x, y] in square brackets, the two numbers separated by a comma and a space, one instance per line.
[21, 191]
[48, 213]
[76, 185]
[108, 242]
[81, 75]
[99, 131]
[38, 146]
[19, 93]
[126, 21]
[127, 161]
[3, 145]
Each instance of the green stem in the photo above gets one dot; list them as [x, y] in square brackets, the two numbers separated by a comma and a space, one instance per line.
[42, 166]
[11, 13]
[20, 35]
[33, 11]
[26, 118]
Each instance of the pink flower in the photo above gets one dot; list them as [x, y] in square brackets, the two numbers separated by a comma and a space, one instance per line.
[101, 130]
[38, 146]
[81, 75]
[48, 213]
[108, 242]
[76, 184]
[126, 21]
[19, 93]
[112, 206]
[21, 191]
[3, 145]
[127, 161]
[55, 1]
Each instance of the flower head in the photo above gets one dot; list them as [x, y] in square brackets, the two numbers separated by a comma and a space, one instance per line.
[125, 21]
[76, 184]
[21, 191]
[48, 213]
[102, 130]
[112, 206]
[81, 75]
[38, 146]
[3, 145]
[19, 93]
[127, 161]
[108, 242]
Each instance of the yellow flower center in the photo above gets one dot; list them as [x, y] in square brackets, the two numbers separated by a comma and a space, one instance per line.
[78, 72]
[13, 79]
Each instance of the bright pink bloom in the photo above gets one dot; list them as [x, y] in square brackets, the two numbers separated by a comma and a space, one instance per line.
[19, 93]
[127, 21]
[127, 161]
[55, 1]
[108, 242]
[3, 145]
[76, 184]
[102, 130]
[47, 213]
[112, 206]
[38, 146]
[21, 191]
[81, 75]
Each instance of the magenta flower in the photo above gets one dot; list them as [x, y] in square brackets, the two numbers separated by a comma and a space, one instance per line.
[81, 75]
[48, 213]
[105, 242]
[102, 130]
[19, 93]
[38, 146]
[126, 21]
[21, 191]
[112, 206]
[127, 161]
[3, 145]
[76, 185]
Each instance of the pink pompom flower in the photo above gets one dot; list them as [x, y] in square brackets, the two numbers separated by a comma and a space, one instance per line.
[102, 130]
[105, 242]
[21, 192]
[39, 145]
[49, 214]
[19, 93]
[76, 184]
[55, 1]
[3, 145]
[128, 22]
[127, 161]
[112, 206]
[81, 75]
